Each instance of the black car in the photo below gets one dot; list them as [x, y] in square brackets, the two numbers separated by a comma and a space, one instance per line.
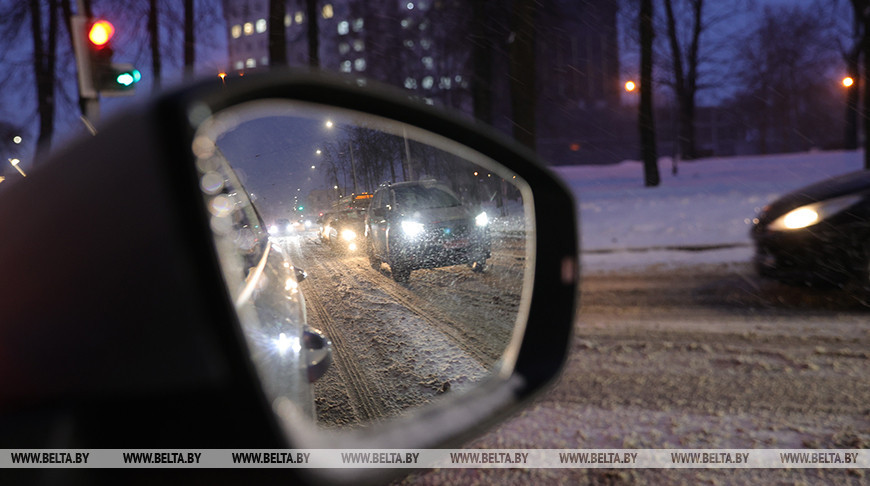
[817, 235]
[423, 224]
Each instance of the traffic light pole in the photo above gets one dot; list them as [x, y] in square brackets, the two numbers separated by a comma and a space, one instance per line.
[88, 96]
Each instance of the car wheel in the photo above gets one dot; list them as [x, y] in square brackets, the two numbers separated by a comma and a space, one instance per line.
[400, 273]
[373, 259]
[478, 266]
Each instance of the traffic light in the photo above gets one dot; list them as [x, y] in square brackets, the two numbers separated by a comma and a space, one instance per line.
[97, 73]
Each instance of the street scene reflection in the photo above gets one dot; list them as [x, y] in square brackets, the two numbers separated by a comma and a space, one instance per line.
[415, 251]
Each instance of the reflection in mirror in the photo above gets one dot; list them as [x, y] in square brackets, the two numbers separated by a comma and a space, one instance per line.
[416, 250]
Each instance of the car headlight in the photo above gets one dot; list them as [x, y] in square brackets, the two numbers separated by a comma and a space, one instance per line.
[412, 228]
[348, 235]
[811, 214]
[481, 219]
[273, 229]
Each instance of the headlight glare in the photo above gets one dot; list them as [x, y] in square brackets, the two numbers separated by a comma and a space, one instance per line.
[481, 219]
[412, 228]
[811, 214]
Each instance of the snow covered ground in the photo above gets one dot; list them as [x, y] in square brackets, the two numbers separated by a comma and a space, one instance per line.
[709, 204]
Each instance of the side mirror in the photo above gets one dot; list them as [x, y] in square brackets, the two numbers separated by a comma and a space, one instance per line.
[172, 321]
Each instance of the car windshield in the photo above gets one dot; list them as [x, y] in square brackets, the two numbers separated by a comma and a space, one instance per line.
[409, 198]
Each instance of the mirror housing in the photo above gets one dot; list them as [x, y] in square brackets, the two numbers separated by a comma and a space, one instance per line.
[141, 324]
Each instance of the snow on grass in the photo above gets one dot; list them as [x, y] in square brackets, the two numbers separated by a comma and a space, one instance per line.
[710, 202]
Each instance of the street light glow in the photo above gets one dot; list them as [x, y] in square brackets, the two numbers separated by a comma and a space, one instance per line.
[848, 81]
[630, 86]
[16, 139]
[328, 124]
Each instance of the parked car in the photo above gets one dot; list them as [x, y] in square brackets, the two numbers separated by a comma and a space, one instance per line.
[423, 224]
[817, 235]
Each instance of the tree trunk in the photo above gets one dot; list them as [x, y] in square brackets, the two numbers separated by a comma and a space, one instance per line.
[865, 46]
[313, 34]
[44, 57]
[277, 33]
[646, 119]
[154, 34]
[481, 61]
[189, 42]
[685, 80]
[523, 71]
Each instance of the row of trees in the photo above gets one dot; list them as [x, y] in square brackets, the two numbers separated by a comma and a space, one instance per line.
[783, 64]
[37, 41]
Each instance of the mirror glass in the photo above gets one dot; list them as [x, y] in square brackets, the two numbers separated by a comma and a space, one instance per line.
[411, 254]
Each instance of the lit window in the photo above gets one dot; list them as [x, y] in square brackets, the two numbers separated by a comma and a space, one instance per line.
[360, 64]
[444, 83]
[240, 65]
[251, 63]
[249, 28]
[343, 27]
[264, 61]
[288, 20]
[345, 67]
[261, 26]
[427, 61]
[327, 11]
[410, 83]
[359, 45]
[343, 48]
[236, 31]
[358, 25]
[428, 82]
[299, 17]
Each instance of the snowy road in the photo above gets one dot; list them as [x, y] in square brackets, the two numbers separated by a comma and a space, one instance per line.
[702, 356]
[397, 346]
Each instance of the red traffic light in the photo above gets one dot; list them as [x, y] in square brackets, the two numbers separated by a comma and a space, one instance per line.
[101, 33]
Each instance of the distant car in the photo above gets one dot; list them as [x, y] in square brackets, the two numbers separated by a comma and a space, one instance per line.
[817, 235]
[423, 224]
[281, 227]
[344, 230]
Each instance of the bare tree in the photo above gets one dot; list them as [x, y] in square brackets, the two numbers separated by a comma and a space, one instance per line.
[482, 36]
[522, 71]
[685, 73]
[648, 150]
[861, 11]
[277, 33]
[189, 39]
[154, 36]
[791, 105]
[44, 62]
[313, 34]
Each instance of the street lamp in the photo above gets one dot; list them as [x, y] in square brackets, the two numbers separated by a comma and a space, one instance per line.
[16, 139]
[630, 86]
[848, 81]
[328, 124]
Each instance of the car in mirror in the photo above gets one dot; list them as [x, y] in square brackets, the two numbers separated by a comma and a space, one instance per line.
[177, 321]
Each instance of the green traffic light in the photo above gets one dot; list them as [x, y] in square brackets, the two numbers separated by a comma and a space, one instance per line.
[128, 78]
